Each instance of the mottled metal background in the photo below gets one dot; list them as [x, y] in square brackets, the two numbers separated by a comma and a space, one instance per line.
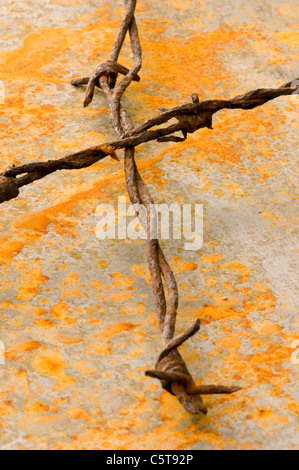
[77, 314]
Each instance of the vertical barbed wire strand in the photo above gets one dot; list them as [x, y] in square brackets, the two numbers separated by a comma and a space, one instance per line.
[170, 367]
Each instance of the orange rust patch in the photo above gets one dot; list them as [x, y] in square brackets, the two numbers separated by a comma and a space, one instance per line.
[21, 347]
[40, 48]
[67, 339]
[268, 328]
[29, 289]
[121, 296]
[115, 329]
[179, 265]
[237, 268]
[77, 413]
[50, 363]
[86, 367]
[9, 250]
[212, 258]
[117, 276]
[59, 310]
[36, 408]
[23, 308]
[230, 342]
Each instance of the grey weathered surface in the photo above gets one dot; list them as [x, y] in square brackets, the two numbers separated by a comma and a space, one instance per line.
[61, 285]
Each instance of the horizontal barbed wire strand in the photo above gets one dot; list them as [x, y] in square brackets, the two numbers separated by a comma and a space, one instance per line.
[202, 111]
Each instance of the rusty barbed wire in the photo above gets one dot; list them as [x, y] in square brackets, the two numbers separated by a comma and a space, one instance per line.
[170, 367]
[191, 117]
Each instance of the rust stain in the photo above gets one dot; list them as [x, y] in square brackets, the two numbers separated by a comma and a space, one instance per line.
[71, 339]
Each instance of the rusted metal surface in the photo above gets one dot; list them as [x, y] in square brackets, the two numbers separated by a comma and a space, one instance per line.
[239, 324]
